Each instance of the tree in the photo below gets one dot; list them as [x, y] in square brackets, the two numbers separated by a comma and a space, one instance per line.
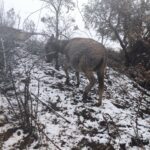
[124, 20]
[9, 18]
[29, 26]
[9, 35]
[58, 9]
[56, 21]
[6, 19]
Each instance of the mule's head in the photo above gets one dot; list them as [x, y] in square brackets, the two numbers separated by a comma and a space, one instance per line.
[51, 48]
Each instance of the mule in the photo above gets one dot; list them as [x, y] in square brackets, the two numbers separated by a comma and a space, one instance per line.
[84, 55]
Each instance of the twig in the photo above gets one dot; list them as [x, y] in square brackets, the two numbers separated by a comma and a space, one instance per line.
[33, 13]
[50, 108]
[82, 16]
[4, 55]
[9, 101]
[107, 117]
[34, 63]
[41, 130]
[16, 95]
[142, 89]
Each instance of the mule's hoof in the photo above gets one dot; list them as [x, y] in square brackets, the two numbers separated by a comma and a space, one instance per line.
[98, 104]
[77, 85]
[57, 68]
[68, 83]
[84, 98]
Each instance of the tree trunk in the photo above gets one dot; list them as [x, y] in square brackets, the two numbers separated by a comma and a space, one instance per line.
[4, 56]
[57, 36]
[57, 25]
[124, 48]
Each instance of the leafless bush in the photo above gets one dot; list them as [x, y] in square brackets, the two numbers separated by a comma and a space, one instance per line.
[35, 47]
[112, 128]
[21, 104]
[115, 59]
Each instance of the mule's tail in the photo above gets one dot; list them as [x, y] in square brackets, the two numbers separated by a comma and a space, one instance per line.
[100, 70]
[99, 65]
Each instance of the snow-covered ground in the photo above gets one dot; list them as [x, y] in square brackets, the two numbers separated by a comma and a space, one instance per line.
[77, 125]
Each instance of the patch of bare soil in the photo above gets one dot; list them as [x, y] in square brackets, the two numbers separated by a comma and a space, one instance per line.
[26, 140]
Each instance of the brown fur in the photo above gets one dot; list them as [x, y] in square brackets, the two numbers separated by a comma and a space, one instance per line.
[87, 56]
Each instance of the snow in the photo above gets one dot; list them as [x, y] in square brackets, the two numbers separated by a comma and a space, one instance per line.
[12, 141]
[85, 120]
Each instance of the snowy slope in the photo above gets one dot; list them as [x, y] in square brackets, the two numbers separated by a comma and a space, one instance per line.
[78, 125]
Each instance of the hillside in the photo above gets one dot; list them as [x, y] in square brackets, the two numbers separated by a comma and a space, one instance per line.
[64, 121]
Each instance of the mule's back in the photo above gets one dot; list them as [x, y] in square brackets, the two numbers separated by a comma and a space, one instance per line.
[85, 54]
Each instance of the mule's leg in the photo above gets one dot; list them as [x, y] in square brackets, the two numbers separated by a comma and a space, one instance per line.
[92, 81]
[100, 75]
[57, 64]
[78, 80]
[66, 72]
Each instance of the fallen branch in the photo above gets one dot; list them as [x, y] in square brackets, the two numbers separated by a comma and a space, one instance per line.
[50, 108]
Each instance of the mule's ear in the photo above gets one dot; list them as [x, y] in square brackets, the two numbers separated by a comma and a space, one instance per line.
[52, 38]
